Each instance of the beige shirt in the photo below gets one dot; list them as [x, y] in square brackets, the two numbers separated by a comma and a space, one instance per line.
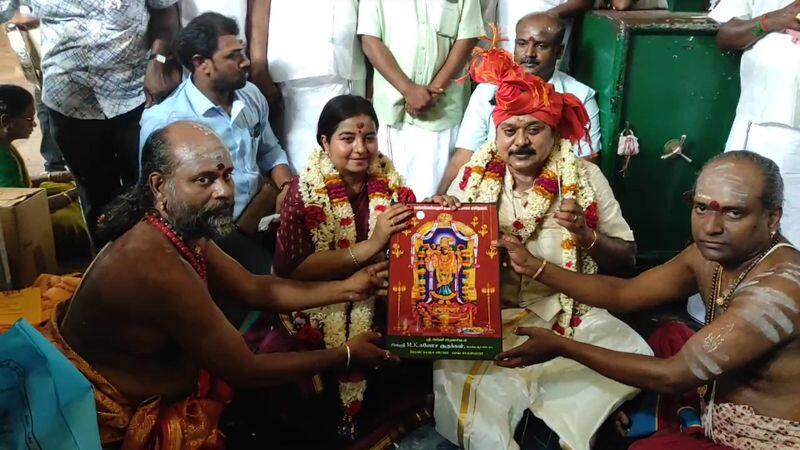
[517, 291]
[420, 34]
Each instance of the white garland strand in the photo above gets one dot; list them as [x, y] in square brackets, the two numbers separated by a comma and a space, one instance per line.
[333, 318]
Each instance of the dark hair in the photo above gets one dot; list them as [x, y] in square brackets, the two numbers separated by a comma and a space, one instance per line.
[772, 191]
[14, 100]
[126, 210]
[339, 109]
[562, 28]
[199, 37]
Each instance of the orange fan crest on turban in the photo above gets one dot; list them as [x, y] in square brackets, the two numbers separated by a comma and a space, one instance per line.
[519, 93]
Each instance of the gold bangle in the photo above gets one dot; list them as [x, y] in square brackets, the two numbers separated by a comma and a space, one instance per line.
[594, 240]
[352, 255]
[541, 269]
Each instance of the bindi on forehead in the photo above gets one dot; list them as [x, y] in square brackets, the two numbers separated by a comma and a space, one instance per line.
[533, 41]
[360, 127]
[220, 166]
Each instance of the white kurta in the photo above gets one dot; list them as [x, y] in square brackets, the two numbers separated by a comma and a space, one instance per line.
[768, 115]
[235, 9]
[313, 58]
[478, 405]
[303, 101]
[419, 155]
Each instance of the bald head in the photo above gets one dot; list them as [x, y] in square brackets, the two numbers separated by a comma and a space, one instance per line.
[543, 24]
[539, 43]
[190, 143]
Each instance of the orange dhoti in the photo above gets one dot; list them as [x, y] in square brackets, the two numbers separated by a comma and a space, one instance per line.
[189, 424]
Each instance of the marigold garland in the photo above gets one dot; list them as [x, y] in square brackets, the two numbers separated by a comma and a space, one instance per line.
[482, 182]
[330, 220]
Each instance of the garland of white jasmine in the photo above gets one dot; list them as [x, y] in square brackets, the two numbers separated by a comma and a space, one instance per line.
[325, 196]
[483, 181]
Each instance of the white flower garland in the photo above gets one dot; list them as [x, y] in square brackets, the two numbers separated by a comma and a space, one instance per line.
[485, 187]
[339, 225]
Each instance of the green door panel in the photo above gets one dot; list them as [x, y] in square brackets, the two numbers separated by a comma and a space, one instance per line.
[663, 74]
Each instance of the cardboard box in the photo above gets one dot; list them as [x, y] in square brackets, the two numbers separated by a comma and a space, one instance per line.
[28, 234]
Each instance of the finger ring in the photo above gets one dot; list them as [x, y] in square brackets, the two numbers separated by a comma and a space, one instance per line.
[386, 355]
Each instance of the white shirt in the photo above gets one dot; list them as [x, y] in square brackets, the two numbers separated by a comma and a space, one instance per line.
[314, 38]
[478, 127]
[770, 70]
[235, 9]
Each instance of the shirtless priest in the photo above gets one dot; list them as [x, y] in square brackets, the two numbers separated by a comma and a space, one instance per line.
[746, 360]
[145, 326]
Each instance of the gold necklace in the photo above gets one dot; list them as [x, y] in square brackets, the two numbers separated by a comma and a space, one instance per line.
[719, 300]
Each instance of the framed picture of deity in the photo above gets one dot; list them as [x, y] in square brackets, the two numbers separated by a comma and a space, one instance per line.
[444, 284]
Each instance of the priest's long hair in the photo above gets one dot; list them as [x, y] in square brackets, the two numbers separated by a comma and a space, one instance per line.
[129, 208]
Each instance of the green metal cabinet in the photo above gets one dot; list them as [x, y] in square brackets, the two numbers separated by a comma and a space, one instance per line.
[661, 73]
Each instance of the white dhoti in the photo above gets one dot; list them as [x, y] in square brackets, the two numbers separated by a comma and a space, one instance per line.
[419, 155]
[303, 101]
[781, 144]
[478, 404]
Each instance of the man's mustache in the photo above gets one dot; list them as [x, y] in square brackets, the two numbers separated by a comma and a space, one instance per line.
[217, 209]
[527, 60]
[522, 151]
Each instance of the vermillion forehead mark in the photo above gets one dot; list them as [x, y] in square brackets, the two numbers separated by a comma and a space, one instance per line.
[220, 166]
[202, 129]
[714, 205]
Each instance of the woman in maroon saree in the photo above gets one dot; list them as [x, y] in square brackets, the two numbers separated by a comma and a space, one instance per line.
[337, 217]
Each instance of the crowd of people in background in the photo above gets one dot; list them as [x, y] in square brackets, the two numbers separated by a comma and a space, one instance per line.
[252, 158]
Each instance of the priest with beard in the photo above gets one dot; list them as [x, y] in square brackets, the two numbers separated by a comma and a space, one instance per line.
[145, 325]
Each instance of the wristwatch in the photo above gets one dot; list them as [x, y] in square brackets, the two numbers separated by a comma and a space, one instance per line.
[157, 56]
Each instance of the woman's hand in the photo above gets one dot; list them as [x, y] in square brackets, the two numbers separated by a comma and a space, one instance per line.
[542, 346]
[448, 201]
[367, 282]
[570, 216]
[394, 219]
[521, 260]
[365, 352]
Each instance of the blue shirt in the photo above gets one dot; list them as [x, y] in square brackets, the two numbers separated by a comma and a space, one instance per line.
[246, 132]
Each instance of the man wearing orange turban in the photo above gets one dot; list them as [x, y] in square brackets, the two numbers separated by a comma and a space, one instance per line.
[537, 49]
[563, 210]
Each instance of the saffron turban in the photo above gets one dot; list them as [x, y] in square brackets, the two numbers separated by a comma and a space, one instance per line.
[519, 93]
